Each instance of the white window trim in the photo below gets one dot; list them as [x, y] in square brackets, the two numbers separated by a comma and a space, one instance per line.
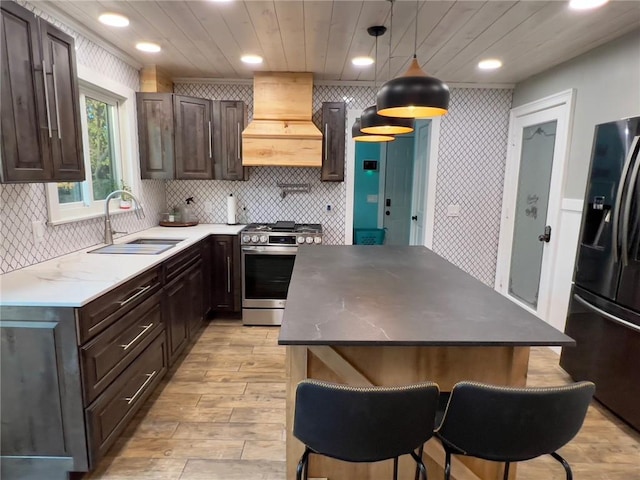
[126, 141]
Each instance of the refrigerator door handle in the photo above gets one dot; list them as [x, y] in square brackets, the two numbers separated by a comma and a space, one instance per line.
[618, 205]
[607, 315]
[627, 210]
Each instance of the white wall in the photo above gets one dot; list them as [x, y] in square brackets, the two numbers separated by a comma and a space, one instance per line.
[607, 83]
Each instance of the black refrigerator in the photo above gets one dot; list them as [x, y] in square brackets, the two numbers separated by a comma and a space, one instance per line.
[604, 313]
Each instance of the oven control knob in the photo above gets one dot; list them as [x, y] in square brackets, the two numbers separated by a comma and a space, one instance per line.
[300, 239]
[246, 239]
[309, 239]
[263, 239]
[254, 238]
[317, 240]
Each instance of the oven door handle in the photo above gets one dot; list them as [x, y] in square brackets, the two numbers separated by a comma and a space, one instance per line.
[270, 250]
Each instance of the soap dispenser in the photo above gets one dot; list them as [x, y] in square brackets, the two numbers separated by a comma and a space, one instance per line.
[186, 211]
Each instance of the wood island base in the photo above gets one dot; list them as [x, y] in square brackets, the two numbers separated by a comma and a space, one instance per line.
[399, 365]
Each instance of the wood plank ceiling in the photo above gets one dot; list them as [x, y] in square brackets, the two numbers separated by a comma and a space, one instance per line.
[205, 39]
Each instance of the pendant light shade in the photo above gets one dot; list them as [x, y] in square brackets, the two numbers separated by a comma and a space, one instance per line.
[371, 122]
[415, 94]
[359, 136]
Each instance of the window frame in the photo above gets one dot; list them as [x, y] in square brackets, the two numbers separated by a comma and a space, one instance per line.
[95, 85]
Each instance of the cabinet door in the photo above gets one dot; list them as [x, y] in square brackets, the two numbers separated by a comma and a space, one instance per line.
[25, 131]
[229, 122]
[223, 275]
[59, 54]
[333, 130]
[155, 135]
[42, 414]
[194, 156]
[177, 300]
[195, 280]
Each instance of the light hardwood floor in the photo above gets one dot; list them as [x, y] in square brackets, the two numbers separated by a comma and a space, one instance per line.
[220, 414]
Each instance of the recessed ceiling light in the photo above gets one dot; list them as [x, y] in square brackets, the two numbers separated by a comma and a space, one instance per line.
[362, 61]
[253, 59]
[586, 4]
[148, 47]
[114, 19]
[489, 64]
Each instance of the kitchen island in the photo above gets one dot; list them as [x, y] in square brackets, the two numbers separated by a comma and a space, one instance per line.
[383, 315]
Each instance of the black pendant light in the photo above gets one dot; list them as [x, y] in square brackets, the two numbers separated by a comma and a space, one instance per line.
[359, 136]
[415, 94]
[370, 121]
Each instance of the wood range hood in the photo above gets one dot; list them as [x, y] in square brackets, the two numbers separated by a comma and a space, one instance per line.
[281, 133]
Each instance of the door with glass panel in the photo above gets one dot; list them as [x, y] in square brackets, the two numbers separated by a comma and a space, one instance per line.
[532, 201]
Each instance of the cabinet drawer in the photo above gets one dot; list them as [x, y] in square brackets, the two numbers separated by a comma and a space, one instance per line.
[103, 311]
[108, 354]
[175, 266]
[108, 416]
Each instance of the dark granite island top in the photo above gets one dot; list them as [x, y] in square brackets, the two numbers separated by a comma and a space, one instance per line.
[400, 296]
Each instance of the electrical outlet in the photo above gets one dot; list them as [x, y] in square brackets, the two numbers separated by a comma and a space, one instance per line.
[37, 228]
[329, 208]
[208, 207]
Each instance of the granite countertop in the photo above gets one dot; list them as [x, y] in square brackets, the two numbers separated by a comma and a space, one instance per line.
[75, 279]
[385, 295]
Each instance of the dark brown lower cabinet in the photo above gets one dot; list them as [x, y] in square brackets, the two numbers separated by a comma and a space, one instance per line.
[72, 378]
[176, 309]
[108, 416]
[226, 274]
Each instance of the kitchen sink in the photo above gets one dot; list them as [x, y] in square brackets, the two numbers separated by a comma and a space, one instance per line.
[155, 241]
[140, 246]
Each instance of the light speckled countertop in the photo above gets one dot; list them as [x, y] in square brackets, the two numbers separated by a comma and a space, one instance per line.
[75, 279]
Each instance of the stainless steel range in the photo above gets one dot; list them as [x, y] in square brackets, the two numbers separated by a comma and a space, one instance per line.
[268, 255]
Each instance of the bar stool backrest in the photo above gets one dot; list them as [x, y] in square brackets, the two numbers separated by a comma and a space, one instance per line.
[513, 424]
[364, 424]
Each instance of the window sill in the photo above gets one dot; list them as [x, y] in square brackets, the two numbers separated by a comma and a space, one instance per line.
[88, 216]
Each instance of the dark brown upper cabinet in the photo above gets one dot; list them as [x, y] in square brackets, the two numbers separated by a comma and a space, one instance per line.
[333, 131]
[41, 133]
[194, 149]
[229, 120]
[155, 135]
[175, 136]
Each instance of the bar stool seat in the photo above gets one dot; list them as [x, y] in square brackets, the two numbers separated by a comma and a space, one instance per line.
[506, 424]
[363, 424]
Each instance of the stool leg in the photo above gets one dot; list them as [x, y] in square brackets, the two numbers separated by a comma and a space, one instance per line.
[447, 465]
[506, 471]
[420, 450]
[565, 464]
[420, 465]
[302, 465]
[395, 468]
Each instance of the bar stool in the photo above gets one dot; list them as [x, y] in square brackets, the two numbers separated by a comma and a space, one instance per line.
[506, 424]
[363, 424]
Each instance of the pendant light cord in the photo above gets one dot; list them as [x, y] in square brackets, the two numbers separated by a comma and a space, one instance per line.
[415, 38]
[390, 38]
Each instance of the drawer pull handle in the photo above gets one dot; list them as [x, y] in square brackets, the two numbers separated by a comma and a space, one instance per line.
[144, 330]
[140, 291]
[132, 399]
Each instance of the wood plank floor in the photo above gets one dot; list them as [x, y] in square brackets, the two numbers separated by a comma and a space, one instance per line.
[220, 414]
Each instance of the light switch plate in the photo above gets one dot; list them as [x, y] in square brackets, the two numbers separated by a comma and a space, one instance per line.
[453, 210]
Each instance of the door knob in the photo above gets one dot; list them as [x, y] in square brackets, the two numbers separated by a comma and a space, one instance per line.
[414, 218]
[387, 212]
[546, 236]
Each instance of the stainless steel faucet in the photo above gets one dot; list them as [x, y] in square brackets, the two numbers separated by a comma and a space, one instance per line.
[108, 233]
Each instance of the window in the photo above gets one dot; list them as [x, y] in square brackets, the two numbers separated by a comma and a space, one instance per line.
[104, 121]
